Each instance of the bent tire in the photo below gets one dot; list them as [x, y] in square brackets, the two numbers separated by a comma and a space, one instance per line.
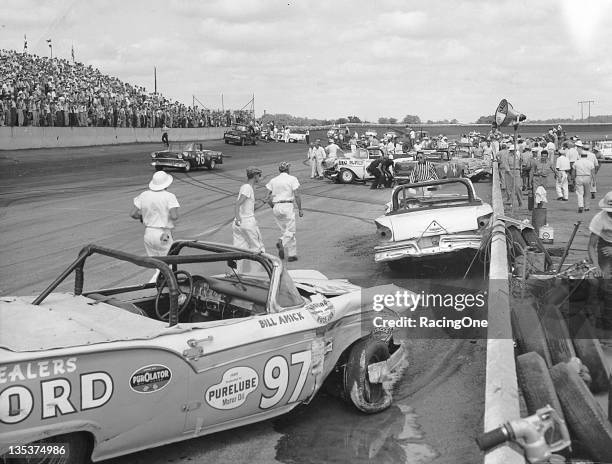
[536, 385]
[589, 350]
[585, 418]
[188, 167]
[528, 331]
[366, 396]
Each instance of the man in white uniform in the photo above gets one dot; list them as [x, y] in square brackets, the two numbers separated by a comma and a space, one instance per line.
[332, 149]
[157, 209]
[584, 170]
[282, 193]
[245, 231]
[563, 167]
[319, 155]
[593, 159]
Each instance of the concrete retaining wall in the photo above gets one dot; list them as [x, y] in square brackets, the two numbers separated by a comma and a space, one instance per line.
[501, 389]
[15, 138]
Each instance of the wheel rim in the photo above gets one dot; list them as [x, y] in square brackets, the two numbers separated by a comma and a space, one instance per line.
[347, 176]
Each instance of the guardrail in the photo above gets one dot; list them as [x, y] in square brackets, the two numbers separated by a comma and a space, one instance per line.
[16, 138]
[501, 388]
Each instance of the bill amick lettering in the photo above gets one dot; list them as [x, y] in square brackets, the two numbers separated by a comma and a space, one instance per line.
[282, 319]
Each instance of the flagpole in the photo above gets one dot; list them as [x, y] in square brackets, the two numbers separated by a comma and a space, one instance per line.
[155, 76]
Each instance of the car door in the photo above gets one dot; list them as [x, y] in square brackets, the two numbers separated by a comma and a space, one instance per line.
[250, 369]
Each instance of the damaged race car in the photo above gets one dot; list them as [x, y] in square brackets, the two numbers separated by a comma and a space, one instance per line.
[431, 219]
[350, 166]
[222, 337]
[186, 156]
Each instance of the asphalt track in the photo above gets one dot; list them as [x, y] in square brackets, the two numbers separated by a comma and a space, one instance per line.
[55, 201]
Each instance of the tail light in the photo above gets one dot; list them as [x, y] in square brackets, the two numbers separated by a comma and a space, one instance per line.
[484, 221]
[383, 232]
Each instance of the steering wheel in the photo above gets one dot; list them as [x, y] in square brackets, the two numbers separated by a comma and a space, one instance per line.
[183, 299]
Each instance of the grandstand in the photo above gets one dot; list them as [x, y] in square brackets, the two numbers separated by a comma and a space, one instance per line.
[41, 91]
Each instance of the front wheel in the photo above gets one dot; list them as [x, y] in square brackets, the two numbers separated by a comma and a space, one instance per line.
[187, 167]
[366, 396]
[242, 142]
[346, 176]
[211, 165]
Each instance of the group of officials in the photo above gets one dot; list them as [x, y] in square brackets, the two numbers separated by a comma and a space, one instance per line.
[157, 209]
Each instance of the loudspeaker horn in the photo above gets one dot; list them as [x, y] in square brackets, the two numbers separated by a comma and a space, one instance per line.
[506, 114]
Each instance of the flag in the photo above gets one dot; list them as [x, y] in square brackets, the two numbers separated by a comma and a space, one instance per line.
[72, 52]
[25, 43]
[49, 42]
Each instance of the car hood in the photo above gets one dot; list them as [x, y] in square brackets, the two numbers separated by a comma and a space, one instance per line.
[435, 221]
[314, 282]
[64, 320]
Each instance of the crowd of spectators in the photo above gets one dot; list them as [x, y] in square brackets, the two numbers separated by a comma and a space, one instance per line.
[41, 91]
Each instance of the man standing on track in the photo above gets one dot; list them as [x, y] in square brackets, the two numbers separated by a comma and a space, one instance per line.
[318, 152]
[562, 167]
[584, 170]
[157, 209]
[282, 193]
[245, 231]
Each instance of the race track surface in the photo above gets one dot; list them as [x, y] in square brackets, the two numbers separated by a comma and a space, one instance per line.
[55, 201]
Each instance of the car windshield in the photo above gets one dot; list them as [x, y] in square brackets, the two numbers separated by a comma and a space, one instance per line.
[240, 128]
[181, 146]
[463, 154]
[443, 193]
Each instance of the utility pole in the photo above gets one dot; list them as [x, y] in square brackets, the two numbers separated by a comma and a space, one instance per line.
[581, 108]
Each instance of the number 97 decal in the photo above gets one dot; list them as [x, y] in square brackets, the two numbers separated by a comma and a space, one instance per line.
[276, 378]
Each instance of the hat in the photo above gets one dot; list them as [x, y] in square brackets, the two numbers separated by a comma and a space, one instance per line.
[579, 144]
[534, 149]
[511, 147]
[606, 202]
[283, 166]
[160, 181]
[252, 170]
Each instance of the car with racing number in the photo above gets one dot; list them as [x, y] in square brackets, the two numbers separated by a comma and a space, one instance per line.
[445, 167]
[473, 167]
[186, 156]
[222, 338]
[604, 147]
[241, 134]
[431, 219]
[351, 166]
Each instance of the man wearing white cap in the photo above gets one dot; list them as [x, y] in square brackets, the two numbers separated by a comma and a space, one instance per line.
[157, 209]
[600, 253]
[593, 159]
[583, 173]
[282, 193]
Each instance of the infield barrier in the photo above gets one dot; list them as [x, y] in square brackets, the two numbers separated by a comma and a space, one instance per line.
[17, 138]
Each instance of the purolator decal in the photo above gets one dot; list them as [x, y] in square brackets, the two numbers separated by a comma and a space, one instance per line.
[233, 389]
[150, 379]
[322, 311]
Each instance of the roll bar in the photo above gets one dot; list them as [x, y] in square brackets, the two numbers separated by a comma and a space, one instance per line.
[403, 187]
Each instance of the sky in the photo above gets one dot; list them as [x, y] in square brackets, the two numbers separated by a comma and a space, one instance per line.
[438, 59]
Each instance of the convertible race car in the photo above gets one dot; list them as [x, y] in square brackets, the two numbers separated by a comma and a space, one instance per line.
[430, 219]
[186, 156]
[223, 337]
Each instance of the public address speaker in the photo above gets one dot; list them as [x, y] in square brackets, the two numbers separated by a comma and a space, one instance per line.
[505, 114]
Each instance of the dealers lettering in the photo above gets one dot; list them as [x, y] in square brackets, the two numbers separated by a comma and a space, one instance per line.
[56, 397]
[33, 370]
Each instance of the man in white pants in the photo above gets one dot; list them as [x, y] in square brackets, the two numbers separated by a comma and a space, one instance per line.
[157, 209]
[584, 170]
[282, 193]
[245, 231]
[318, 152]
[563, 168]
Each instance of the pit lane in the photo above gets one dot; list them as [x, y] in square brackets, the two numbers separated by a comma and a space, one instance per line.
[55, 201]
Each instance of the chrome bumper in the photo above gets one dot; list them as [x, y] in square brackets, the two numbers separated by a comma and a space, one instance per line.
[412, 249]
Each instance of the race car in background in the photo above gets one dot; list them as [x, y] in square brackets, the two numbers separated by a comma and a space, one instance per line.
[241, 134]
[224, 337]
[605, 149]
[431, 219]
[186, 156]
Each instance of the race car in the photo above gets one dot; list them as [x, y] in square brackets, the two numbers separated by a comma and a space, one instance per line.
[223, 337]
[445, 168]
[241, 134]
[472, 167]
[430, 219]
[350, 166]
[186, 156]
